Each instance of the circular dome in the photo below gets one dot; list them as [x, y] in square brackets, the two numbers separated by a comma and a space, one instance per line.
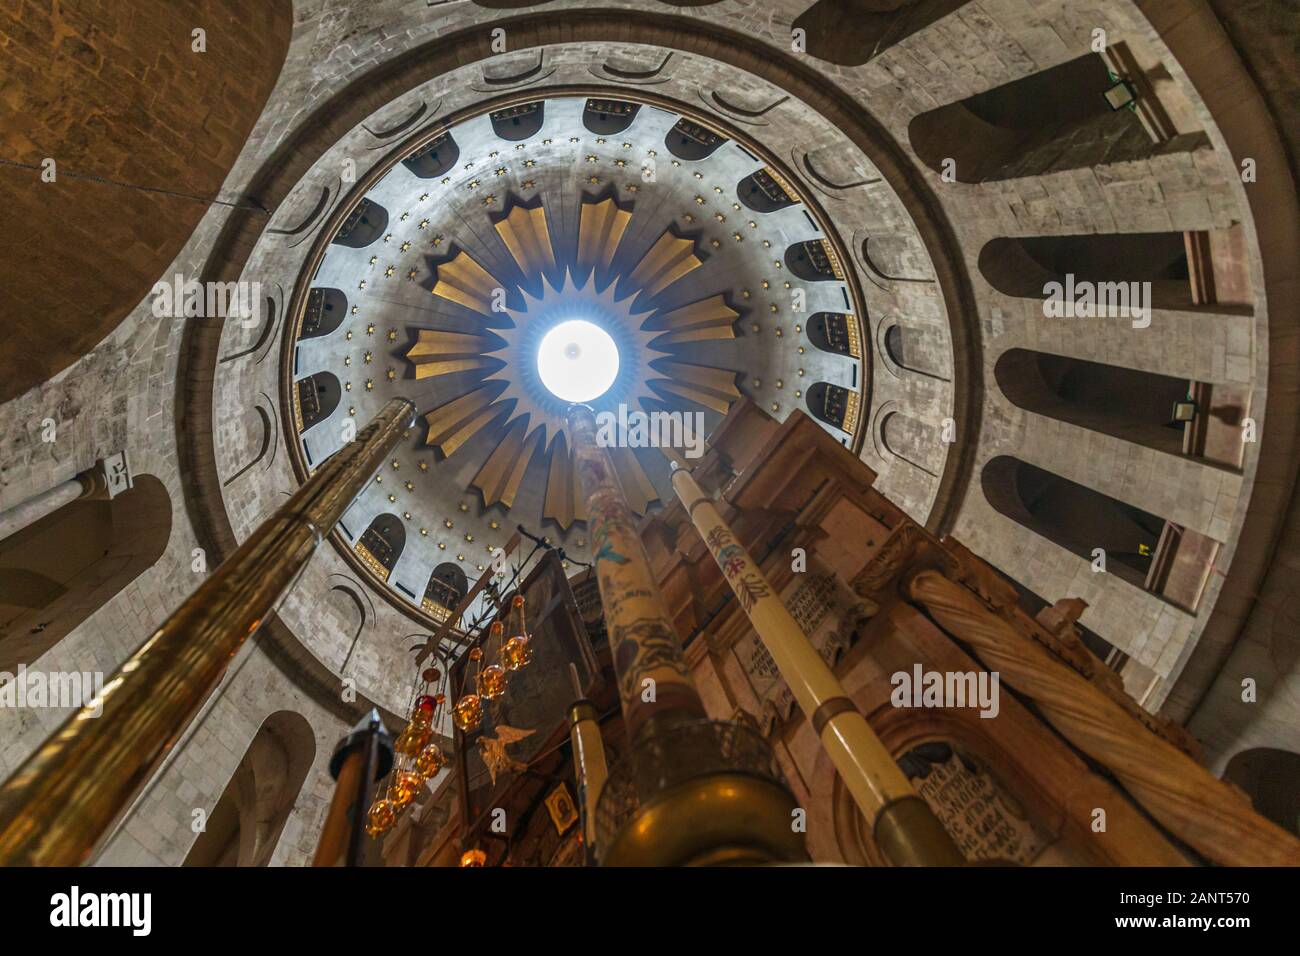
[577, 361]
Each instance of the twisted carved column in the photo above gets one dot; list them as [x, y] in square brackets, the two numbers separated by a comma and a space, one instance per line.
[1192, 803]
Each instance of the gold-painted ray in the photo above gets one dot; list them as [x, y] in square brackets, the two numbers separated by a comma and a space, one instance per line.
[454, 423]
[502, 473]
[636, 484]
[463, 280]
[525, 234]
[600, 229]
[563, 503]
[442, 353]
[713, 388]
[670, 258]
[708, 319]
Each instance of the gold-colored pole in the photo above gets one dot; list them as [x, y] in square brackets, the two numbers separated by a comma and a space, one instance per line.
[68, 793]
[691, 791]
[588, 758]
[904, 827]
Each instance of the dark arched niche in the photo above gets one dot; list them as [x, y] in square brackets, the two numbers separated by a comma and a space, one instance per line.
[1046, 122]
[1271, 778]
[59, 571]
[126, 105]
[1073, 516]
[245, 825]
[851, 32]
[1127, 403]
[381, 544]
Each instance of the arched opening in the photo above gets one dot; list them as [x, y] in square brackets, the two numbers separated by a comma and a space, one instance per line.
[315, 399]
[605, 117]
[836, 333]
[1173, 415]
[517, 123]
[833, 404]
[766, 191]
[326, 309]
[1070, 116]
[1271, 778]
[1186, 270]
[364, 225]
[245, 825]
[434, 158]
[813, 261]
[1147, 551]
[59, 571]
[851, 32]
[914, 441]
[690, 140]
[381, 544]
[116, 96]
[1133, 405]
[446, 588]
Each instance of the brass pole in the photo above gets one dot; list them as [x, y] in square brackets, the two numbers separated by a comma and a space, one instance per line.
[588, 758]
[68, 793]
[903, 825]
[691, 791]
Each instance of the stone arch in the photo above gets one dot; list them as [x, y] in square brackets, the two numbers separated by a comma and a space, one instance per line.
[81, 280]
[315, 399]
[245, 825]
[264, 416]
[363, 226]
[1052, 120]
[914, 441]
[1271, 778]
[1073, 516]
[1024, 267]
[59, 571]
[381, 544]
[1127, 403]
[852, 32]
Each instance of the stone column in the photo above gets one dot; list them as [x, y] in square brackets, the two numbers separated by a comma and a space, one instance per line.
[690, 791]
[107, 478]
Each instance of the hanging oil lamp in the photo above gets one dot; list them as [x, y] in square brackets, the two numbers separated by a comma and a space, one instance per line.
[468, 712]
[381, 817]
[518, 650]
[474, 857]
[430, 761]
[491, 680]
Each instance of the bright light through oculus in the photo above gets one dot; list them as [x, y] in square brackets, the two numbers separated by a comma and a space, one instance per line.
[577, 361]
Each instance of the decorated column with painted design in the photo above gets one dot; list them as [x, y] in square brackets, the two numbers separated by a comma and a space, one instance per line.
[903, 826]
[654, 682]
